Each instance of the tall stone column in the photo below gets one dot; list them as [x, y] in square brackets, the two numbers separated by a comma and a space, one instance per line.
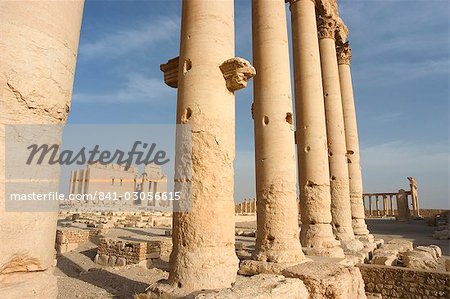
[39, 44]
[314, 181]
[351, 138]
[277, 237]
[203, 255]
[339, 182]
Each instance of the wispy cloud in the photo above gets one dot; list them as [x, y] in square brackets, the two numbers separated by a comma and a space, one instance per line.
[124, 41]
[137, 88]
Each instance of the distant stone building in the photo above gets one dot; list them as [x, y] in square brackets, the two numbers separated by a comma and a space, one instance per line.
[119, 185]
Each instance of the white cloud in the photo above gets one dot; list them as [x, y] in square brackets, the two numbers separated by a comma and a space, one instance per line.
[137, 88]
[124, 41]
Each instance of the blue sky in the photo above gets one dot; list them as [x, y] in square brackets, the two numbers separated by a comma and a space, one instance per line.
[401, 76]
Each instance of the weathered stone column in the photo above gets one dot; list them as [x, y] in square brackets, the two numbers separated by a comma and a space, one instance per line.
[38, 46]
[203, 255]
[277, 237]
[340, 192]
[314, 181]
[351, 138]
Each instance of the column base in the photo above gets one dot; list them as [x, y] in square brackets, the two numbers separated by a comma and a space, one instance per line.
[292, 255]
[252, 267]
[318, 240]
[205, 268]
[359, 227]
[39, 285]
[352, 246]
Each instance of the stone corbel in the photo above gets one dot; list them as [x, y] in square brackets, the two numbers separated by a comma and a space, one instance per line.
[237, 71]
[170, 70]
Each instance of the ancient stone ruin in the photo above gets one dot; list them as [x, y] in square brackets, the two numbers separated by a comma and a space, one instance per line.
[315, 259]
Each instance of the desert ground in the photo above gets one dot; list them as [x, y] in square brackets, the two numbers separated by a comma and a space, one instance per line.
[79, 277]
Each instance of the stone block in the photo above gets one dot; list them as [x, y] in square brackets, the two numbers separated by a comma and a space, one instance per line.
[385, 257]
[121, 261]
[112, 261]
[419, 260]
[263, 286]
[431, 250]
[447, 265]
[329, 280]
[437, 249]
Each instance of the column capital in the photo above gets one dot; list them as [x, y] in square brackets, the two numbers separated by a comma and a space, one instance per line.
[344, 53]
[326, 27]
[237, 71]
[293, 1]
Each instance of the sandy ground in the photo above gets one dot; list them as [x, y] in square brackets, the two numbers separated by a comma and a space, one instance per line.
[79, 277]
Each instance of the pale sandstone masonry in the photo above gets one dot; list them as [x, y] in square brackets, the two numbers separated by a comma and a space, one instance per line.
[398, 282]
[115, 252]
[277, 237]
[39, 43]
[339, 181]
[351, 138]
[203, 255]
[314, 182]
[69, 239]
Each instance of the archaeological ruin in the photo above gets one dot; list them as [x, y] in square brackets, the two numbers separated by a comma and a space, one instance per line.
[298, 238]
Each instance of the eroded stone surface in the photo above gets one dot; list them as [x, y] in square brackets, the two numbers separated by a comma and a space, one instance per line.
[420, 260]
[385, 257]
[237, 71]
[277, 239]
[329, 280]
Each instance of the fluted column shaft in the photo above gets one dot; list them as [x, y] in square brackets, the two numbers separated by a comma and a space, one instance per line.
[351, 138]
[203, 255]
[339, 182]
[314, 182]
[277, 216]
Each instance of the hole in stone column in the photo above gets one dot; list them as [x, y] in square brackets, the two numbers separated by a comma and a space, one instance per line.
[349, 161]
[326, 94]
[350, 152]
[307, 149]
[289, 118]
[187, 66]
[180, 285]
[189, 37]
[330, 154]
[333, 178]
[271, 238]
[186, 115]
[265, 120]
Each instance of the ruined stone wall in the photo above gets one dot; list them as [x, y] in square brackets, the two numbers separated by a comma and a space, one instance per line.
[69, 239]
[396, 282]
[114, 249]
[72, 236]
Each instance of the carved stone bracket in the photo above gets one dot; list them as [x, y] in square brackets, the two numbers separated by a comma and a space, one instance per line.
[344, 53]
[170, 70]
[326, 27]
[237, 71]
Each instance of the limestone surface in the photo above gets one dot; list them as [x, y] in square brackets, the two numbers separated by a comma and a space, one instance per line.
[277, 237]
[314, 181]
[420, 260]
[329, 280]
